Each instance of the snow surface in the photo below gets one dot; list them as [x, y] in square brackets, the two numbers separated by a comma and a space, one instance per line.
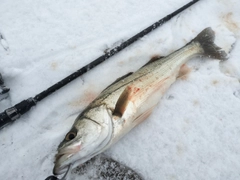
[192, 134]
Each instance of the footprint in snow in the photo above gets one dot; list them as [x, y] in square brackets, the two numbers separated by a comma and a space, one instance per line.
[3, 42]
[237, 93]
[102, 167]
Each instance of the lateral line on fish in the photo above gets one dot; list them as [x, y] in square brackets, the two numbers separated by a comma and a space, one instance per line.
[107, 95]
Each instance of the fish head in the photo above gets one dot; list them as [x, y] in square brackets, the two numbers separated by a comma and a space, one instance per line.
[89, 135]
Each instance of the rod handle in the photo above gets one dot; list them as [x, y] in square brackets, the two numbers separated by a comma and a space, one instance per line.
[13, 113]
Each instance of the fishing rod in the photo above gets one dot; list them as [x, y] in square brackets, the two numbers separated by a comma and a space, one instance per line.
[13, 113]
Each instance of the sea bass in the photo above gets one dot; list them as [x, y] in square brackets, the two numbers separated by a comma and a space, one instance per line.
[127, 102]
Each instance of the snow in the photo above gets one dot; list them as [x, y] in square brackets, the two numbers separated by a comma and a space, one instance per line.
[192, 134]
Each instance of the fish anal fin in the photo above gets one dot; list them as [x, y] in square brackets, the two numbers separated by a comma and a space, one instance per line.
[125, 98]
[183, 72]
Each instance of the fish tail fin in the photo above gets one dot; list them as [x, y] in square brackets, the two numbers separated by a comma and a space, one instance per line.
[210, 49]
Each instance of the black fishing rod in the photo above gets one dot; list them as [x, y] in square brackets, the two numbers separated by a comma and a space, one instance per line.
[13, 113]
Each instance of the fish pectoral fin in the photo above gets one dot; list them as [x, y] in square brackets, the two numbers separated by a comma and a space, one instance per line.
[125, 99]
[144, 115]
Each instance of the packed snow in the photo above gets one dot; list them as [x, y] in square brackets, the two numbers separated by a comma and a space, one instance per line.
[192, 134]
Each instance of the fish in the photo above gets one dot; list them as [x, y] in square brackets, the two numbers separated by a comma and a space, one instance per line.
[127, 102]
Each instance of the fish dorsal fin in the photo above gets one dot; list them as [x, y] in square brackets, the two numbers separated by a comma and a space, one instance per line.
[119, 79]
[125, 98]
[154, 58]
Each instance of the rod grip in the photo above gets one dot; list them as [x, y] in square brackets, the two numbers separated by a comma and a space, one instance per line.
[4, 119]
[13, 113]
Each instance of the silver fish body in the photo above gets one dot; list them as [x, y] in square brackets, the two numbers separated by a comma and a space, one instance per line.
[127, 102]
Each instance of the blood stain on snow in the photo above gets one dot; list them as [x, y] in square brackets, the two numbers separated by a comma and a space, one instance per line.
[54, 65]
[87, 97]
[196, 102]
[230, 23]
[121, 63]
[215, 82]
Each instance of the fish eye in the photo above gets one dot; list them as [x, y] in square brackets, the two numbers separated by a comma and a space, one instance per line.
[70, 136]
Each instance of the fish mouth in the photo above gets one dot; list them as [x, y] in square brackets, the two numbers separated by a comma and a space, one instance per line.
[61, 159]
[90, 145]
[59, 170]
